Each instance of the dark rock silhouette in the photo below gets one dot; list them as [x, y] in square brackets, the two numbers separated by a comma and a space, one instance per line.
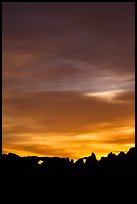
[113, 170]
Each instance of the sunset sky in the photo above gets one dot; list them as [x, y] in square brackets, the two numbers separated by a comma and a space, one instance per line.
[68, 73]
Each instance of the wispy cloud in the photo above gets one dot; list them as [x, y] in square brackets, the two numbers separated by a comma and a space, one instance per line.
[68, 77]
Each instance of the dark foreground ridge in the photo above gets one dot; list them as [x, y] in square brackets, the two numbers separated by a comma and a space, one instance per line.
[116, 169]
[111, 179]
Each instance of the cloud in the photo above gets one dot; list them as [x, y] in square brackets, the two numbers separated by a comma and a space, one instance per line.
[37, 150]
[115, 96]
[59, 70]
[67, 111]
[99, 36]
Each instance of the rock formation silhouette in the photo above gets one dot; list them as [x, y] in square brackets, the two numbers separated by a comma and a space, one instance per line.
[112, 167]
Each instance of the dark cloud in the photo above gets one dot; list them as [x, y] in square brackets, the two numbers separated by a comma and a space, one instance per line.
[90, 32]
[68, 46]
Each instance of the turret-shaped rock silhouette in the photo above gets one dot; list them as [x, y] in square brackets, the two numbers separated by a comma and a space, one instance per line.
[91, 161]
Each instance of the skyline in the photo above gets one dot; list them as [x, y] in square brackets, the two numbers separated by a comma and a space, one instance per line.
[68, 76]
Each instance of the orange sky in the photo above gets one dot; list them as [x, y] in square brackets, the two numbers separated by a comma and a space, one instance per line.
[68, 78]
